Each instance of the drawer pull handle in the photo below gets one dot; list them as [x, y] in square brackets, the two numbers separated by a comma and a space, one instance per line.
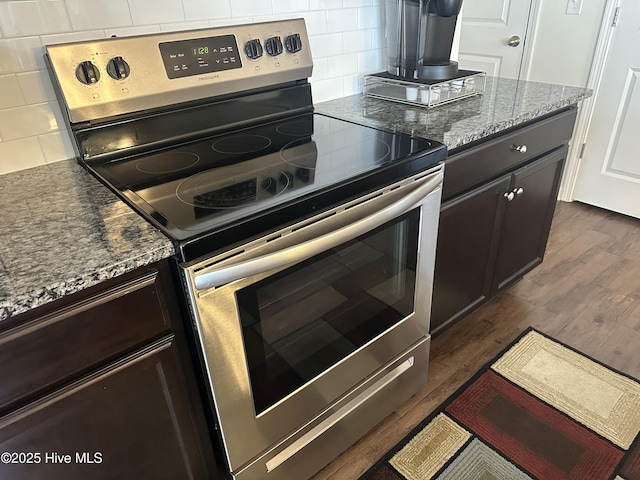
[509, 196]
[520, 148]
[519, 191]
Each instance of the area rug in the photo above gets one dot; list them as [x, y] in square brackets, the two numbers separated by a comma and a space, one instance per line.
[540, 410]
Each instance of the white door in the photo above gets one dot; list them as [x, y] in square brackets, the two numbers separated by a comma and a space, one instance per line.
[609, 172]
[492, 36]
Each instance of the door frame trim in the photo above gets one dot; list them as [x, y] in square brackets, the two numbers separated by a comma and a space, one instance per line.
[529, 37]
[587, 106]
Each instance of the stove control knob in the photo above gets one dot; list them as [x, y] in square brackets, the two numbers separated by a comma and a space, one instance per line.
[87, 73]
[293, 43]
[253, 49]
[273, 46]
[117, 68]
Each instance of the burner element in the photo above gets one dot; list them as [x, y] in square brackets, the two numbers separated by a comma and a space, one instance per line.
[167, 162]
[302, 126]
[238, 144]
[298, 152]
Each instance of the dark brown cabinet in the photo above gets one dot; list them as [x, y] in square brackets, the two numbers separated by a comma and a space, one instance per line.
[466, 246]
[499, 197]
[98, 385]
[530, 203]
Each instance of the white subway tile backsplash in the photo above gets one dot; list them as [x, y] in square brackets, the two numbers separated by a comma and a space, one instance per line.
[353, 84]
[316, 22]
[370, 17]
[372, 61]
[346, 36]
[326, 45]
[36, 87]
[230, 21]
[288, 6]
[21, 55]
[250, 8]
[153, 11]
[11, 93]
[29, 120]
[20, 154]
[271, 18]
[72, 37]
[357, 3]
[56, 146]
[357, 41]
[378, 38]
[206, 9]
[174, 27]
[33, 17]
[341, 65]
[324, 4]
[342, 20]
[320, 69]
[89, 14]
[128, 31]
[323, 90]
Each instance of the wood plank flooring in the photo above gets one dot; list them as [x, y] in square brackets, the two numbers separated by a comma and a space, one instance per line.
[586, 293]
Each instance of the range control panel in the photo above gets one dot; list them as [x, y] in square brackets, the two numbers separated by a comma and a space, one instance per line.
[109, 77]
[200, 55]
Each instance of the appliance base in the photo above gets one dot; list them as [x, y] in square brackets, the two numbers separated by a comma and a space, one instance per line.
[315, 445]
[443, 71]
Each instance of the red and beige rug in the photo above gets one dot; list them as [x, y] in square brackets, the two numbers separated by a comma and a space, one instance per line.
[540, 411]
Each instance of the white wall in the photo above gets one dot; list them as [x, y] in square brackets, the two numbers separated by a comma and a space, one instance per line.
[347, 39]
[563, 45]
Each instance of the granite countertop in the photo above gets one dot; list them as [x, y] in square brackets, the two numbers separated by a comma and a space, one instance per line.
[63, 231]
[505, 103]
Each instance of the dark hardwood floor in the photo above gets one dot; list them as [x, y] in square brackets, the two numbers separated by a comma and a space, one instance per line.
[586, 293]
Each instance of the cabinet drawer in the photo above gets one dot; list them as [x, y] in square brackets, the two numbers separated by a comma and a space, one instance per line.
[492, 158]
[57, 346]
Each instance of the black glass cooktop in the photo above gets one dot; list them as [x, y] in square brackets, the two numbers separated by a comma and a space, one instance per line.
[216, 189]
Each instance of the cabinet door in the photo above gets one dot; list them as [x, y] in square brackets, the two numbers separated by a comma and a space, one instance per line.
[131, 421]
[467, 239]
[527, 218]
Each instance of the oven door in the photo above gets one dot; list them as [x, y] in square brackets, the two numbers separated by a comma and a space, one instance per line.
[291, 323]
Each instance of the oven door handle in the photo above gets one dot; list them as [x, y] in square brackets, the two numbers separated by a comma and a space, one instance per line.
[305, 250]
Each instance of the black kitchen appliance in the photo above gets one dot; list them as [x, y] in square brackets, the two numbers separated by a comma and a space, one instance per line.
[419, 38]
[305, 243]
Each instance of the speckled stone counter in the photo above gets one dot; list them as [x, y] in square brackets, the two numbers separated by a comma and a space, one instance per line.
[505, 103]
[62, 231]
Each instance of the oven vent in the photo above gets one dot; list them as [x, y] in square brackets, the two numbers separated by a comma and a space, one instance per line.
[218, 260]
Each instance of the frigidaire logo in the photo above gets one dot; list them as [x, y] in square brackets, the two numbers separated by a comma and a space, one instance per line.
[208, 77]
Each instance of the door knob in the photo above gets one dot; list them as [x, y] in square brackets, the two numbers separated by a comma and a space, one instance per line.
[513, 41]
[509, 196]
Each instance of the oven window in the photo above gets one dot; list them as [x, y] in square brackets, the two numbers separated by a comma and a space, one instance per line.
[303, 320]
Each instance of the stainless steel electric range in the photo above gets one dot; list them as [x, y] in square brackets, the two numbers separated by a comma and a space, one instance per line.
[305, 243]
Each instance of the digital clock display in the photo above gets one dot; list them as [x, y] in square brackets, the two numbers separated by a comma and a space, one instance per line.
[201, 51]
[184, 58]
